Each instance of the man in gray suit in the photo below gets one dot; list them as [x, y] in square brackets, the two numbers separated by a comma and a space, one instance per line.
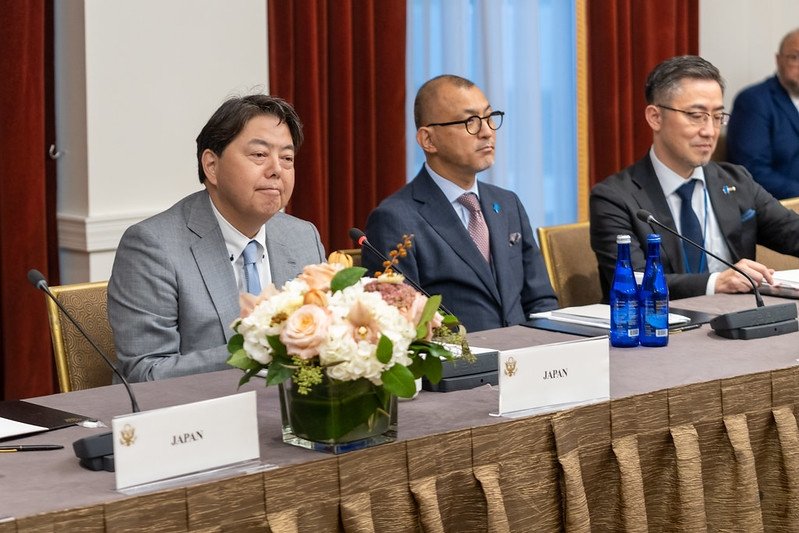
[174, 289]
[720, 203]
[473, 243]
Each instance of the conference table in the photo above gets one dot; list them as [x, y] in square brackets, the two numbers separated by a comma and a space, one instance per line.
[699, 435]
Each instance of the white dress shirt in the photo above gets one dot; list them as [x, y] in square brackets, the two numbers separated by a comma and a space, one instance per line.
[453, 192]
[714, 239]
[235, 241]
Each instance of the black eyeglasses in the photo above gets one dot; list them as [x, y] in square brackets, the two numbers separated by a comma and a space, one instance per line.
[474, 123]
[700, 118]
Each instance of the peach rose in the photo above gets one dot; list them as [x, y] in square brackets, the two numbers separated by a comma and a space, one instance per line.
[305, 330]
[248, 302]
[319, 276]
[315, 297]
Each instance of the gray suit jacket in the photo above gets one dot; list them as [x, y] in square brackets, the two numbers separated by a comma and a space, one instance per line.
[172, 295]
[444, 260]
[747, 216]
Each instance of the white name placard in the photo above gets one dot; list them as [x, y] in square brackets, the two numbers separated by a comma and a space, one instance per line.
[553, 376]
[174, 441]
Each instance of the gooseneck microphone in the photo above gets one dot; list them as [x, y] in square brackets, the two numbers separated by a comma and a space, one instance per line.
[763, 321]
[95, 452]
[359, 238]
[646, 216]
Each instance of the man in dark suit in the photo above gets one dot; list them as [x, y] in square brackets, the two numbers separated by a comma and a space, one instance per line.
[473, 243]
[731, 213]
[763, 134]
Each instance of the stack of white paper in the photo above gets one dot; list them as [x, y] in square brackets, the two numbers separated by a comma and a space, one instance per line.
[597, 315]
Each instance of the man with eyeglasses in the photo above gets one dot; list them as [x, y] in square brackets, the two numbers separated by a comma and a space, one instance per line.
[718, 205]
[763, 134]
[472, 243]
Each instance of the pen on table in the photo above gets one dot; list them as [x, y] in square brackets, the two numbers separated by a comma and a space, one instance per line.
[30, 448]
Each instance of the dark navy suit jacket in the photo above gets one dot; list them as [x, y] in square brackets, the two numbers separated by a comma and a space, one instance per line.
[747, 214]
[763, 136]
[444, 260]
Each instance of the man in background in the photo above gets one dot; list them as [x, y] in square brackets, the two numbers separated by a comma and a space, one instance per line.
[174, 289]
[763, 134]
[472, 243]
[718, 205]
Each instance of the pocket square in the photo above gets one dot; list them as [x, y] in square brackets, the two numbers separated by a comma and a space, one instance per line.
[514, 238]
[748, 215]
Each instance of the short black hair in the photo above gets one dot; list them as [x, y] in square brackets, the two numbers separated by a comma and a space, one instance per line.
[424, 96]
[666, 77]
[233, 115]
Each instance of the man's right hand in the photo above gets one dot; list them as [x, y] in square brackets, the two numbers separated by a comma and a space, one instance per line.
[730, 281]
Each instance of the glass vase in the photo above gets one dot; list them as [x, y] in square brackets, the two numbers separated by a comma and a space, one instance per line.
[338, 416]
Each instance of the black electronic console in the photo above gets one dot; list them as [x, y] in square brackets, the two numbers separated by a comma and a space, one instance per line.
[97, 451]
[757, 323]
[760, 322]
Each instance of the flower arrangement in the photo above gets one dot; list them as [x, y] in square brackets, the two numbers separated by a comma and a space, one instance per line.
[332, 322]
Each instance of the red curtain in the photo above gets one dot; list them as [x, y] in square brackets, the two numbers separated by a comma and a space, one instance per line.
[342, 64]
[27, 197]
[626, 39]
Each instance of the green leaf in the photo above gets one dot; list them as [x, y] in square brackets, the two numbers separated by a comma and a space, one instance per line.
[236, 343]
[450, 320]
[399, 380]
[384, 349]
[433, 369]
[432, 305]
[433, 349]
[278, 373]
[240, 359]
[278, 347]
[417, 366]
[347, 277]
[249, 374]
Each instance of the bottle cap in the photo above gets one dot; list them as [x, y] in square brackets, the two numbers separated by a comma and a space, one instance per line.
[653, 237]
[623, 239]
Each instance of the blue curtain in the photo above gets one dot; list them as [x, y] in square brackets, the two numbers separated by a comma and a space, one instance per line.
[522, 54]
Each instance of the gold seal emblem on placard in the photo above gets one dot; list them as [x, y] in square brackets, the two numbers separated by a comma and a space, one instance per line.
[127, 436]
[510, 367]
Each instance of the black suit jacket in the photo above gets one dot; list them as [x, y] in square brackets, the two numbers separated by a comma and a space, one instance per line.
[444, 260]
[747, 216]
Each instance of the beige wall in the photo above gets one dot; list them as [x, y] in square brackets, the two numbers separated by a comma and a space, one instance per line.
[741, 37]
[135, 82]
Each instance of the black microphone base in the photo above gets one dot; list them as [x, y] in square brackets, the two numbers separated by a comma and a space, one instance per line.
[757, 323]
[96, 452]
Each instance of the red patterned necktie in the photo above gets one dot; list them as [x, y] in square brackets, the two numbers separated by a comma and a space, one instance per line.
[478, 230]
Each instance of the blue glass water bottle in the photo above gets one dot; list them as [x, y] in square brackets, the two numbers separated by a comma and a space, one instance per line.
[654, 304]
[624, 316]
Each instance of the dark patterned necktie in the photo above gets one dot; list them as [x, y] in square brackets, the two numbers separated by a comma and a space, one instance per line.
[691, 229]
[478, 230]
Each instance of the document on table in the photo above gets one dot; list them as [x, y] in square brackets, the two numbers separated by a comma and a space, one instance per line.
[18, 417]
[786, 284]
[787, 278]
[597, 315]
[12, 428]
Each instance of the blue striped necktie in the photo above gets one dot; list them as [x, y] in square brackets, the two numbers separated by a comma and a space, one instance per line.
[251, 278]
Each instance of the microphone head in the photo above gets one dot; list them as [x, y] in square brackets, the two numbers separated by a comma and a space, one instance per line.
[643, 215]
[356, 235]
[36, 279]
